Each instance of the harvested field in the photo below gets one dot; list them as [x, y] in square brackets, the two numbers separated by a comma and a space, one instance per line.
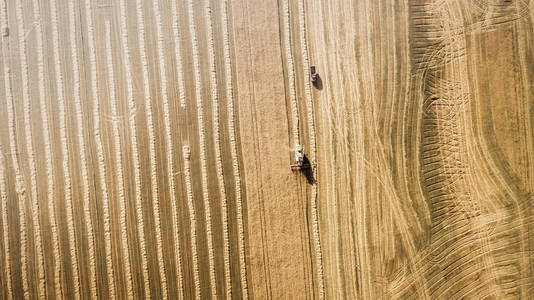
[146, 149]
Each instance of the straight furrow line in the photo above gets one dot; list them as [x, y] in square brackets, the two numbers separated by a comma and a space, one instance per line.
[178, 53]
[133, 132]
[218, 156]
[33, 180]
[120, 176]
[14, 151]
[3, 18]
[5, 228]
[192, 219]
[233, 149]
[3, 188]
[65, 152]
[200, 113]
[101, 159]
[313, 150]
[19, 183]
[83, 159]
[152, 148]
[291, 74]
[48, 151]
[31, 159]
[170, 154]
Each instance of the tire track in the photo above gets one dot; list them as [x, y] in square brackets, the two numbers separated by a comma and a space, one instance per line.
[192, 219]
[168, 131]
[204, 172]
[120, 174]
[313, 150]
[81, 141]
[48, 151]
[445, 131]
[233, 150]
[65, 152]
[218, 157]
[178, 53]
[133, 132]
[152, 149]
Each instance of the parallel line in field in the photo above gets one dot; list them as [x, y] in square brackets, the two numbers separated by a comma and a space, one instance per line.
[3, 185]
[5, 269]
[201, 130]
[133, 132]
[5, 229]
[83, 158]
[152, 149]
[65, 152]
[170, 154]
[218, 157]
[313, 150]
[178, 53]
[48, 151]
[192, 219]
[33, 181]
[120, 176]
[19, 184]
[31, 163]
[233, 149]
[291, 74]
[3, 16]
[100, 150]
[14, 156]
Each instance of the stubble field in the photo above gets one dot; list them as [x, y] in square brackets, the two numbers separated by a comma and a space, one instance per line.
[145, 149]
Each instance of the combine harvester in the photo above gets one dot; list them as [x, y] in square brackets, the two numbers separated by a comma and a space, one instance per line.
[301, 162]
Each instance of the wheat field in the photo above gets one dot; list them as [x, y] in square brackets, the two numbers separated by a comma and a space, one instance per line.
[146, 145]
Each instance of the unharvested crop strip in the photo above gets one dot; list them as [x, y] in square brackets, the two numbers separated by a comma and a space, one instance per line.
[81, 144]
[152, 147]
[14, 156]
[178, 53]
[192, 219]
[137, 170]
[65, 152]
[291, 74]
[31, 157]
[202, 138]
[233, 150]
[170, 154]
[313, 150]
[118, 164]
[5, 224]
[48, 150]
[218, 157]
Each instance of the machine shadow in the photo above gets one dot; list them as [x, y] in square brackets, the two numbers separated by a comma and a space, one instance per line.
[308, 172]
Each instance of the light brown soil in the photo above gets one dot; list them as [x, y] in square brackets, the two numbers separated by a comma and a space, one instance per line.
[145, 149]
